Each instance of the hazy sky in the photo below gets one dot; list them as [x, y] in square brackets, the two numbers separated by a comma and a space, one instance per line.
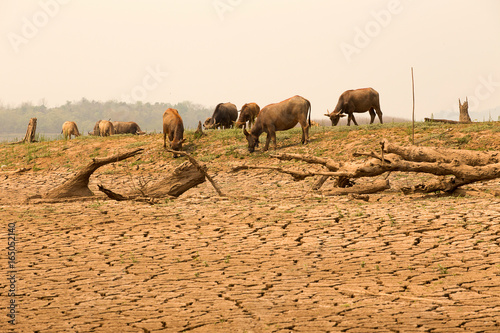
[264, 51]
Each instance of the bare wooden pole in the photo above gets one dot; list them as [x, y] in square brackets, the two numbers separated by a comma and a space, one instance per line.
[413, 112]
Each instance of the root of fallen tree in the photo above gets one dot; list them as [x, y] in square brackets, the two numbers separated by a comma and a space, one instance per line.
[187, 175]
[453, 168]
[78, 186]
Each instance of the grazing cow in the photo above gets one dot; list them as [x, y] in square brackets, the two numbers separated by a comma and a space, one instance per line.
[248, 113]
[280, 117]
[224, 116]
[69, 128]
[206, 123]
[106, 128]
[96, 129]
[174, 128]
[356, 101]
[127, 127]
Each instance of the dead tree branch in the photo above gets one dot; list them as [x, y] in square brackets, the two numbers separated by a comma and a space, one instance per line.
[202, 169]
[453, 167]
[78, 186]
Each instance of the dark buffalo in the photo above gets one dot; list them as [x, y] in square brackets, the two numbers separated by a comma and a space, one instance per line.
[248, 114]
[280, 117]
[174, 128]
[127, 127]
[356, 101]
[224, 116]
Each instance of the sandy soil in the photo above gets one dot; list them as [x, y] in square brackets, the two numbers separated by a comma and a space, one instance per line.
[271, 257]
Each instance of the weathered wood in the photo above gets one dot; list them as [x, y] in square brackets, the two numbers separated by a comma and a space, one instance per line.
[184, 177]
[443, 155]
[326, 162]
[446, 121]
[78, 186]
[463, 118]
[199, 130]
[464, 111]
[202, 169]
[370, 188]
[453, 167]
[31, 131]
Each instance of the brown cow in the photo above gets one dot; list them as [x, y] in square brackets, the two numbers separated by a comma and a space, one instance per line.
[127, 127]
[280, 117]
[248, 113]
[106, 128]
[69, 128]
[96, 129]
[174, 128]
[356, 101]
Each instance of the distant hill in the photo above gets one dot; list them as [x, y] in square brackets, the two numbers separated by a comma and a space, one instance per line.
[85, 113]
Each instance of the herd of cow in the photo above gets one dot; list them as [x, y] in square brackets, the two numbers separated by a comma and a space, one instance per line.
[270, 119]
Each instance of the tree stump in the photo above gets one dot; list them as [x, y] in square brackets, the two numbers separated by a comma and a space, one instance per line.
[464, 111]
[464, 117]
[199, 131]
[31, 131]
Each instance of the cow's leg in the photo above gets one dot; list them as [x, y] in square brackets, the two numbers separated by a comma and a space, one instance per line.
[271, 135]
[379, 114]
[305, 132]
[372, 115]
[351, 117]
[268, 139]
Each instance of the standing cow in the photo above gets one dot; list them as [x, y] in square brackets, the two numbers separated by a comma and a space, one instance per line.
[69, 128]
[224, 116]
[356, 101]
[174, 128]
[106, 128]
[280, 117]
[248, 114]
[127, 127]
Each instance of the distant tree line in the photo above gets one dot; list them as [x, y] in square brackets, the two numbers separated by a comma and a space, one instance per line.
[85, 113]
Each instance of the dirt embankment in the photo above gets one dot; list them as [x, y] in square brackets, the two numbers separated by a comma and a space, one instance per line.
[271, 257]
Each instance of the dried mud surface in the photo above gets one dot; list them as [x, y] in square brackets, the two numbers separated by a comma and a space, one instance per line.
[272, 257]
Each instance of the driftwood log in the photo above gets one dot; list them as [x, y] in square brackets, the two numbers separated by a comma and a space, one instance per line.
[184, 177]
[453, 167]
[78, 186]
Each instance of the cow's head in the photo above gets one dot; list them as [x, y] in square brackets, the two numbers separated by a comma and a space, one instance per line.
[334, 117]
[177, 145]
[253, 141]
[207, 124]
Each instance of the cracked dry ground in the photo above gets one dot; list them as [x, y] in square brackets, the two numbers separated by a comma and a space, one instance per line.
[285, 261]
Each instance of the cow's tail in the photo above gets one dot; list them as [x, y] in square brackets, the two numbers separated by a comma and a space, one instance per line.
[310, 111]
